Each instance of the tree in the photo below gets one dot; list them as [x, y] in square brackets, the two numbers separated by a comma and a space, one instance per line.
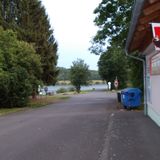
[63, 74]
[113, 64]
[36, 29]
[20, 70]
[79, 74]
[29, 19]
[94, 75]
[113, 19]
[136, 73]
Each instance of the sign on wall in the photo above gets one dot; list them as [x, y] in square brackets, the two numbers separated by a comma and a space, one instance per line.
[156, 35]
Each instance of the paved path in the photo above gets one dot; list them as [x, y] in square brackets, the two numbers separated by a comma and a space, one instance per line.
[85, 127]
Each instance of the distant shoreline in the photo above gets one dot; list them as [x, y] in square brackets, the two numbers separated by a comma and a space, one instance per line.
[91, 82]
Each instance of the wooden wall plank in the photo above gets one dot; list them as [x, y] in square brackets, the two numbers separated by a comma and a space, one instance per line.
[152, 8]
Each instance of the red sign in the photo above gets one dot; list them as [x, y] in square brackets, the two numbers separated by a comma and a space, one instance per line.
[156, 35]
[116, 83]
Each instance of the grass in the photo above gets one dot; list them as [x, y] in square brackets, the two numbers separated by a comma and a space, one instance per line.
[40, 101]
[46, 100]
[4, 111]
[85, 92]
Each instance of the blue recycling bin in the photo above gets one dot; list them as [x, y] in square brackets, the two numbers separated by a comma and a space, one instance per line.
[131, 97]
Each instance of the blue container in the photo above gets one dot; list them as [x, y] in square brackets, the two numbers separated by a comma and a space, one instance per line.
[131, 97]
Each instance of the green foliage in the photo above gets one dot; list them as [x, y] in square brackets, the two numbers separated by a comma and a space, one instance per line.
[61, 90]
[79, 74]
[29, 19]
[71, 89]
[94, 75]
[20, 68]
[64, 74]
[136, 74]
[113, 19]
[64, 90]
[113, 64]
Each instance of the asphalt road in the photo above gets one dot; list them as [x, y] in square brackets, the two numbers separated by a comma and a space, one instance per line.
[71, 130]
[85, 127]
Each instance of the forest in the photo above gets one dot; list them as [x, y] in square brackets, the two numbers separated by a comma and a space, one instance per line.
[64, 74]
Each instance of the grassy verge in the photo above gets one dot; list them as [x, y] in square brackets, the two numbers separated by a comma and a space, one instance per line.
[4, 111]
[35, 103]
[45, 100]
[40, 101]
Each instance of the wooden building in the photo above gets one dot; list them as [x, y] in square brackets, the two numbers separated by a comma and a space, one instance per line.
[140, 38]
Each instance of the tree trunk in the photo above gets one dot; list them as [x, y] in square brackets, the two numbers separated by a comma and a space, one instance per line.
[33, 94]
[78, 89]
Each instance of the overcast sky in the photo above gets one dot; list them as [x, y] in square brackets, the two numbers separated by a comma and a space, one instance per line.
[72, 21]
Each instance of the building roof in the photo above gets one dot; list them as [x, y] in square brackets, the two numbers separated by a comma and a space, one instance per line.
[140, 32]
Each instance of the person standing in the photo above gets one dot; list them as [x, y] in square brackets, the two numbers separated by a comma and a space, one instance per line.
[109, 86]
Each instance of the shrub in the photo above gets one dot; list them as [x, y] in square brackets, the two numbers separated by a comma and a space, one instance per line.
[20, 70]
[61, 90]
[71, 89]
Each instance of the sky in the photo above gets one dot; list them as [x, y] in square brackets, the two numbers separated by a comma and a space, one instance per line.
[72, 21]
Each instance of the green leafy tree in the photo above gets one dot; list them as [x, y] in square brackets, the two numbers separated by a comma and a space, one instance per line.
[113, 19]
[29, 19]
[113, 64]
[36, 29]
[79, 74]
[63, 74]
[20, 70]
[136, 73]
[94, 75]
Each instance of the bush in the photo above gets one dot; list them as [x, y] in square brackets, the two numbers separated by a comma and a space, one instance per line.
[15, 88]
[71, 89]
[61, 90]
[20, 70]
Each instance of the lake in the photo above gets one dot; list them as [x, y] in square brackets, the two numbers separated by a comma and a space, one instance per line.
[53, 89]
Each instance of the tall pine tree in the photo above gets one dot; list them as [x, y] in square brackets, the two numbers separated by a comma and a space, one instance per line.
[29, 19]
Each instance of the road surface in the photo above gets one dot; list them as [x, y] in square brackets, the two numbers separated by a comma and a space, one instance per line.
[85, 127]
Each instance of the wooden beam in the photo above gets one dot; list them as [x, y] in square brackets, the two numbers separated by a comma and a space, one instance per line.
[135, 42]
[153, 1]
[151, 8]
[134, 47]
[150, 18]
[141, 28]
[140, 34]
[137, 39]
[146, 41]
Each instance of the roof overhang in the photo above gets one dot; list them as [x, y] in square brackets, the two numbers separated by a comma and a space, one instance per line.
[140, 32]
